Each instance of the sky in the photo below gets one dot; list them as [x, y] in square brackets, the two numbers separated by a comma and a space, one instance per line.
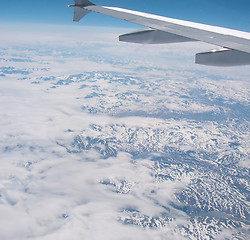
[225, 13]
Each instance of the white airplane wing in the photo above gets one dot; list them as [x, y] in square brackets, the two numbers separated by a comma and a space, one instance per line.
[235, 44]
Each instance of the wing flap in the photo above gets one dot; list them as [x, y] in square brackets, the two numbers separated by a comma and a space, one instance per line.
[153, 36]
[223, 58]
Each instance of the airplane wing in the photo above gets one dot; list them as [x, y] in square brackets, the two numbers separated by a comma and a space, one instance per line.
[235, 44]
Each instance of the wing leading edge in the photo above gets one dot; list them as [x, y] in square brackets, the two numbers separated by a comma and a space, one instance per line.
[235, 44]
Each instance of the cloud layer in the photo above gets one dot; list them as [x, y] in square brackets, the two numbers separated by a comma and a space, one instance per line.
[99, 141]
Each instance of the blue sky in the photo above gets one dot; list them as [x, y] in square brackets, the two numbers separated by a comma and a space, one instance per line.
[226, 13]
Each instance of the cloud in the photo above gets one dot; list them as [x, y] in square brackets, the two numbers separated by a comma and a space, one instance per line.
[48, 190]
[51, 193]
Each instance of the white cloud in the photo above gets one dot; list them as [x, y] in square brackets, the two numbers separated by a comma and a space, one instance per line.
[47, 192]
[50, 193]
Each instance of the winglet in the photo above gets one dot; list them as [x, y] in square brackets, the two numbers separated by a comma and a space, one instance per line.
[79, 10]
